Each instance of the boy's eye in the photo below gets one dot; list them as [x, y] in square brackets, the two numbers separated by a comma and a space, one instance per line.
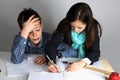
[30, 32]
[37, 29]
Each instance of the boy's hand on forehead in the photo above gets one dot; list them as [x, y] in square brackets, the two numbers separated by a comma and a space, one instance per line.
[29, 25]
[34, 19]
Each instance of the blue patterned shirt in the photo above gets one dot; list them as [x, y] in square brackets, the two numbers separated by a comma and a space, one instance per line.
[22, 46]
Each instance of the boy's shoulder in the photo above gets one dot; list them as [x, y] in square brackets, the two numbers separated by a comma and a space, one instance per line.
[46, 35]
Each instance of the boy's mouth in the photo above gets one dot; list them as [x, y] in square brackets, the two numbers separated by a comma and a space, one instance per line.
[36, 39]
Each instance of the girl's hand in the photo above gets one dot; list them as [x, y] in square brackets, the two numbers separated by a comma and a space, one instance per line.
[76, 66]
[40, 60]
[53, 68]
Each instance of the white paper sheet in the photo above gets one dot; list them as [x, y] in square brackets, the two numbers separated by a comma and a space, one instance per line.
[25, 67]
[62, 66]
[83, 74]
[45, 76]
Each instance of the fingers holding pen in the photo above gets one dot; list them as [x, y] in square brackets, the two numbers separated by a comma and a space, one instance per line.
[53, 68]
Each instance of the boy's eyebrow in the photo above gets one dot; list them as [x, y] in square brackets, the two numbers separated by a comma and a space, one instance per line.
[36, 28]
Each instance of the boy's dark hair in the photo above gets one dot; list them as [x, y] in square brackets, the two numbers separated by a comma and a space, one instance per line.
[25, 15]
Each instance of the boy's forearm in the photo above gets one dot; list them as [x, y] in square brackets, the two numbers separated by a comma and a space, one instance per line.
[17, 55]
[17, 58]
[18, 49]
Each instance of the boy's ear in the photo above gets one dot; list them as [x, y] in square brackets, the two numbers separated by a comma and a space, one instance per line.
[42, 25]
[20, 30]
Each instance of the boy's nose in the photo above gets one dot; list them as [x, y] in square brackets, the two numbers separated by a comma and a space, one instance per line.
[34, 33]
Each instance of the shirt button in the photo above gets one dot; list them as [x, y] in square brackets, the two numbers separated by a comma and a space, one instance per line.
[24, 42]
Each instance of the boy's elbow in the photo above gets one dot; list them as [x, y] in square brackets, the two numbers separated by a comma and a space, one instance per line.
[16, 57]
[16, 61]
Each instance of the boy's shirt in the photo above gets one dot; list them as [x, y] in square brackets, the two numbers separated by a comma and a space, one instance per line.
[22, 46]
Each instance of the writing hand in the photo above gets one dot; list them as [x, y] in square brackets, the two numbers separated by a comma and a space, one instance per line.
[76, 66]
[53, 68]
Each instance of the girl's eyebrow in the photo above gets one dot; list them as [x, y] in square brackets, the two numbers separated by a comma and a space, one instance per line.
[76, 26]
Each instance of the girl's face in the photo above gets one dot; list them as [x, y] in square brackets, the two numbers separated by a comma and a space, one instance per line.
[36, 34]
[78, 26]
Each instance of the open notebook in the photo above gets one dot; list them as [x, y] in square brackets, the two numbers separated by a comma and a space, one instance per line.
[82, 74]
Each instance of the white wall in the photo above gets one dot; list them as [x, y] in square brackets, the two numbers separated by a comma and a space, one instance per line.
[105, 11]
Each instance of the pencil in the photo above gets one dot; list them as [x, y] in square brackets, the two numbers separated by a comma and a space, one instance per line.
[98, 70]
[51, 61]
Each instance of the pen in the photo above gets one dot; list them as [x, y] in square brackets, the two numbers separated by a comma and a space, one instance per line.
[66, 62]
[51, 61]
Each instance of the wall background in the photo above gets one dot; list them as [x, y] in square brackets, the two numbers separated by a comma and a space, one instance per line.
[105, 11]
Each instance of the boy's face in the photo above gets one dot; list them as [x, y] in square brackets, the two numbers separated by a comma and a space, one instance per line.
[36, 34]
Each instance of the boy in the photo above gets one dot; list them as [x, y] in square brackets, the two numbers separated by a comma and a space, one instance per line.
[31, 39]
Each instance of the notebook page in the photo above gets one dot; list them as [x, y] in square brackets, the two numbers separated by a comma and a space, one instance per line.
[83, 73]
[45, 76]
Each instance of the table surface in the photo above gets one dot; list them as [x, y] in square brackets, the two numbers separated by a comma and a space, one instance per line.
[6, 55]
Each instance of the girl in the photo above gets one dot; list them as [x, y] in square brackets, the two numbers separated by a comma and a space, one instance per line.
[77, 36]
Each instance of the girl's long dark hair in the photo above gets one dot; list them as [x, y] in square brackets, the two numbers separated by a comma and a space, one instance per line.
[82, 12]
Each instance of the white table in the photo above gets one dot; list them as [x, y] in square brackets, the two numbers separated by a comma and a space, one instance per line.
[3, 74]
[6, 55]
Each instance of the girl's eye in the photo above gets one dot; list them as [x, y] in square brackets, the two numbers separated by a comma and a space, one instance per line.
[72, 26]
[79, 27]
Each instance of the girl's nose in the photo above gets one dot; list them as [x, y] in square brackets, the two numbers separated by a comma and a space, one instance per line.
[75, 29]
